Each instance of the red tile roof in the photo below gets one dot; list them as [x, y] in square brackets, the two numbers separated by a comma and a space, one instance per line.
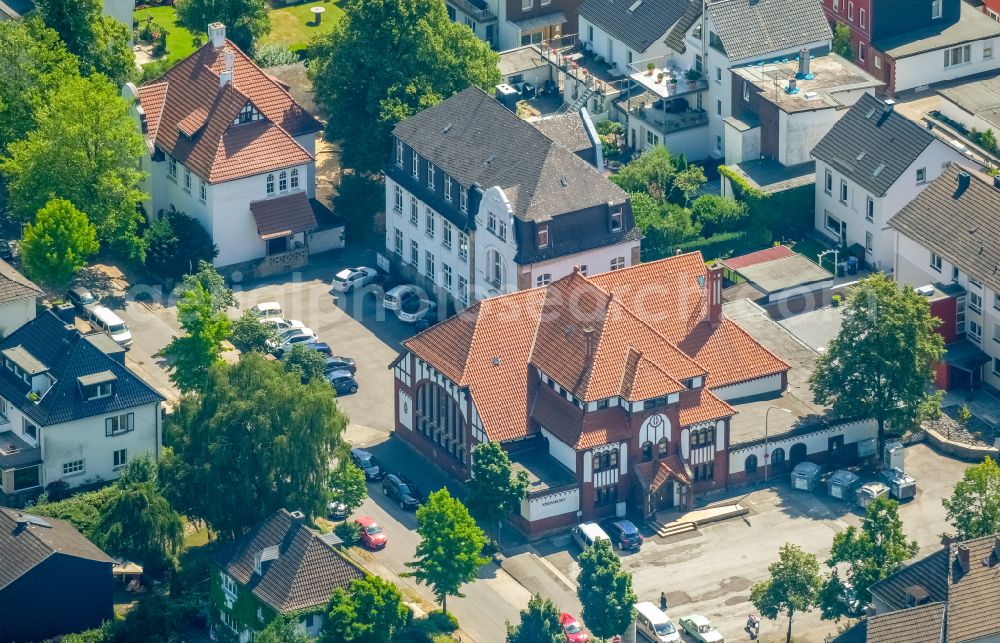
[283, 216]
[754, 258]
[701, 405]
[653, 474]
[190, 117]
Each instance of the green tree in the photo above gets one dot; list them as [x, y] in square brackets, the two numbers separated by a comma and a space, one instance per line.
[192, 354]
[209, 278]
[58, 243]
[363, 195]
[33, 63]
[86, 149]
[664, 225]
[718, 214]
[988, 140]
[793, 586]
[605, 591]
[305, 362]
[688, 181]
[249, 334]
[494, 491]
[252, 440]
[406, 55]
[101, 43]
[895, 323]
[348, 484]
[871, 553]
[842, 40]
[449, 553]
[539, 623]
[140, 524]
[175, 244]
[651, 172]
[283, 629]
[371, 612]
[974, 506]
[246, 20]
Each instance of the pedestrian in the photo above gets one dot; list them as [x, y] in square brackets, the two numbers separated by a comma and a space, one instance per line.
[663, 601]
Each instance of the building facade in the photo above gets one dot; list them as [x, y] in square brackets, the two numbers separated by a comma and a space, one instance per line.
[506, 24]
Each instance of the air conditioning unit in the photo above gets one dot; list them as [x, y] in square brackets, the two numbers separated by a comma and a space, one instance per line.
[925, 291]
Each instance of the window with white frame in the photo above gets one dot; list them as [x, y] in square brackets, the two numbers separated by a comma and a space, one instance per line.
[870, 208]
[718, 107]
[414, 253]
[996, 332]
[270, 184]
[996, 301]
[987, 52]
[446, 275]
[463, 199]
[861, 18]
[746, 91]
[295, 178]
[955, 273]
[430, 175]
[171, 167]
[398, 242]
[616, 220]
[828, 182]
[491, 222]
[429, 222]
[397, 199]
[836, 5]
[843, 191]
[996, 360]
[447, 187]
[463, 246]
[29, 430]
[463, 289]
[118, 424]
[832, 224]
[975, 301]
[718, 74]
[936, 261]
[617, 263]
[445, 234]
[583, 269]
[861, 51]
[494, 268]
[936, 8]
[878, 62]
[957, 55]
[282, 181]
[414, 211]
[72, 468]
[543, 279]
[415, 170]
[202, 191]
[975, 282]
[850, 11]
[98, 391]
[975, 330]
[429, 265]
[543, 236]
[229, 620]
[399, 153]
[921, 174]
[120, 457]
[229, 585]
[869, 243]
[187, 180]
[526, 4]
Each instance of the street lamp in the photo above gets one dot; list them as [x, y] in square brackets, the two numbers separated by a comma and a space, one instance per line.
[767, 416]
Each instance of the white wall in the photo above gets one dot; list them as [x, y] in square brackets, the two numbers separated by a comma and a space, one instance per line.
[956, 113]
[597, 261]
[554, 504]
[15, 314]
[798, 133]
[927, 68]
[759, 386]
[560, 451]
[620, 52]
[816, 442]
[495, 202]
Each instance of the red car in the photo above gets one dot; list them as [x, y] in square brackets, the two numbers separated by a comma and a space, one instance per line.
[371, 533]
[572, 628]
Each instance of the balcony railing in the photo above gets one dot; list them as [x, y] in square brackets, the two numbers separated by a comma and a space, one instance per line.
[572, 58]
[667, 122]
[479, 14]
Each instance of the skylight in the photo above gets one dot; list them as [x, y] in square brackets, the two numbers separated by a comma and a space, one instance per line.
[635, 5]
[878, 170]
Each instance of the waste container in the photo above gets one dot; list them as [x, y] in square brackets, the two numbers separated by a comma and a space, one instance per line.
[805, 475]
[868, 492]
[842, 484]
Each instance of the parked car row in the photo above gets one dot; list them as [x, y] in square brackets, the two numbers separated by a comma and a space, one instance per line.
[394, 485]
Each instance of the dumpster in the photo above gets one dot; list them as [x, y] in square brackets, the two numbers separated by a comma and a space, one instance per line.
[901, 486]
[805, 475]
[893, 455]
[842, 484]
[868, 492]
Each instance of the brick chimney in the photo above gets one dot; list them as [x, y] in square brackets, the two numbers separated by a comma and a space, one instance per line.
[713, 294]
[588, 338]
[963, 558]
[217, 34]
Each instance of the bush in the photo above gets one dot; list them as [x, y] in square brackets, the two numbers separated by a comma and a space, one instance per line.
[175, 244]
[348, 532]
[718, 214]
[442, 621]
[725, 244]
[56, 491]
[152, 71]
[272, 55]
[436, 627]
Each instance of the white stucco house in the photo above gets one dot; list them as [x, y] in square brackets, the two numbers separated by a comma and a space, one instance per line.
[230, 147]
[18, 299]
[70, 410]
[868, 166]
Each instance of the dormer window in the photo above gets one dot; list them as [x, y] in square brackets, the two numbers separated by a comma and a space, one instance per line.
[247, 115]
[543, 236]
[430, 175]
[447, 188]
[616, 220]
[97, 386]
[463, 200]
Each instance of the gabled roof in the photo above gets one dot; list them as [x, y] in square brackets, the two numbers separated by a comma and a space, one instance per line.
[190, 117]
[921, 624]
[755, 28]
[283, 216]
[476, 140]
[960, 224]
[27, 540]
[635, 23]
[872, 145]
[300, 567]
[14, 285]
[67, 356]
[570, 131]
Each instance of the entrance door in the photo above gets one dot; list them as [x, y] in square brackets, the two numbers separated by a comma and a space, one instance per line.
[835, 447]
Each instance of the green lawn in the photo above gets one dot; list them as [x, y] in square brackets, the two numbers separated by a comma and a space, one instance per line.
[811, 247]
[293, 26]
[180, 41]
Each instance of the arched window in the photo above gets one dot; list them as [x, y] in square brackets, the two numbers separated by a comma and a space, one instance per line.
[282, 181]
[295, 178]
[661, 447]
[494, 266]
[778, 456]
[614, 458]
[270, 184]
[606, 460]
[647, 451]
[751, 465]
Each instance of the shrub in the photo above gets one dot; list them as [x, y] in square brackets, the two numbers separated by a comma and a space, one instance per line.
[720, 245]
[176, 243]
[272, 55]
[153, 70]
[348, 532]
[718, 214]
[56, 491]
[442, 621]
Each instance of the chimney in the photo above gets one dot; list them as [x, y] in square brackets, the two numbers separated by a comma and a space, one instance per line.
[996, 182]
[963, 558]
[217, 34]
[713, 292]
[588, 338]
[803, 64]
[298, 517]
[963, 180]
[889, 105]
[227, 72]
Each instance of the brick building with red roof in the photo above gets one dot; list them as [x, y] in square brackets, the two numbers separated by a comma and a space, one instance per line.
[612, 390]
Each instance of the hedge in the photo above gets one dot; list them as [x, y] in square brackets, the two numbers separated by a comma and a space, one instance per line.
[724, 244]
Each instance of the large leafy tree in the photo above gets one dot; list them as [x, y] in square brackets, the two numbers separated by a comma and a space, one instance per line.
[86, 149]
[304, 362]
[209, 278]
[193, 353]
[249, 334]
[252, 440]
[405, 55]
[101, 43]
[245, 20]
[449, 553]
[974, 506]
[175, 244]
[793, 586]
[871, 553]
[495, 491]
[348, 484]
[664, 225]
[372, 611]
[651, 172]
[605, 591]
[283, 629]
[881, 364]
[539, 623]
[33, 63]
[58, 243]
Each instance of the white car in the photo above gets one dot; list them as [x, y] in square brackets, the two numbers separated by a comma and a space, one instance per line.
[394, 296]
[288, 338]
[266, 309]
[282, 324]
[414, 309]
[350, 278]
[697, 627]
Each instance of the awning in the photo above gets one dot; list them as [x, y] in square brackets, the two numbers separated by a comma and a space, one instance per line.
[283, 216]
[965, 355]
[537, 22]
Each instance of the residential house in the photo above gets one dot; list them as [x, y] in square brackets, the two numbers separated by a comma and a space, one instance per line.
[230, 147]
[868, 166]
[69, 411]
[945, 246]
[18, 299]
[506, 24]
[942, 598]
[53, 581]
[280, 567]
[910, 44]
[480, 202]
[613, 391]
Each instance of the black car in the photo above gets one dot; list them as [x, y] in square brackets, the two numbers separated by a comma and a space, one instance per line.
[401, 489]
[624, 534]
[83, 300]
[5, 252]
[367, 463]
[320, 347]
[338, 363]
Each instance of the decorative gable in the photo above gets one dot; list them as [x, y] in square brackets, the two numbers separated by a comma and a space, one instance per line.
[248, 114]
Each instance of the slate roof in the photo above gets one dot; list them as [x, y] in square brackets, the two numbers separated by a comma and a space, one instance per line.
[637, 28]
[24, 545]
[931, 573]
[67, 355]
[476, 140]
[190, 117]
[283, 216]
[755, 28]
[14, 285]
[569, 130]
[870, 136]
[961, 225]
[971, 26]
[301, 567]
